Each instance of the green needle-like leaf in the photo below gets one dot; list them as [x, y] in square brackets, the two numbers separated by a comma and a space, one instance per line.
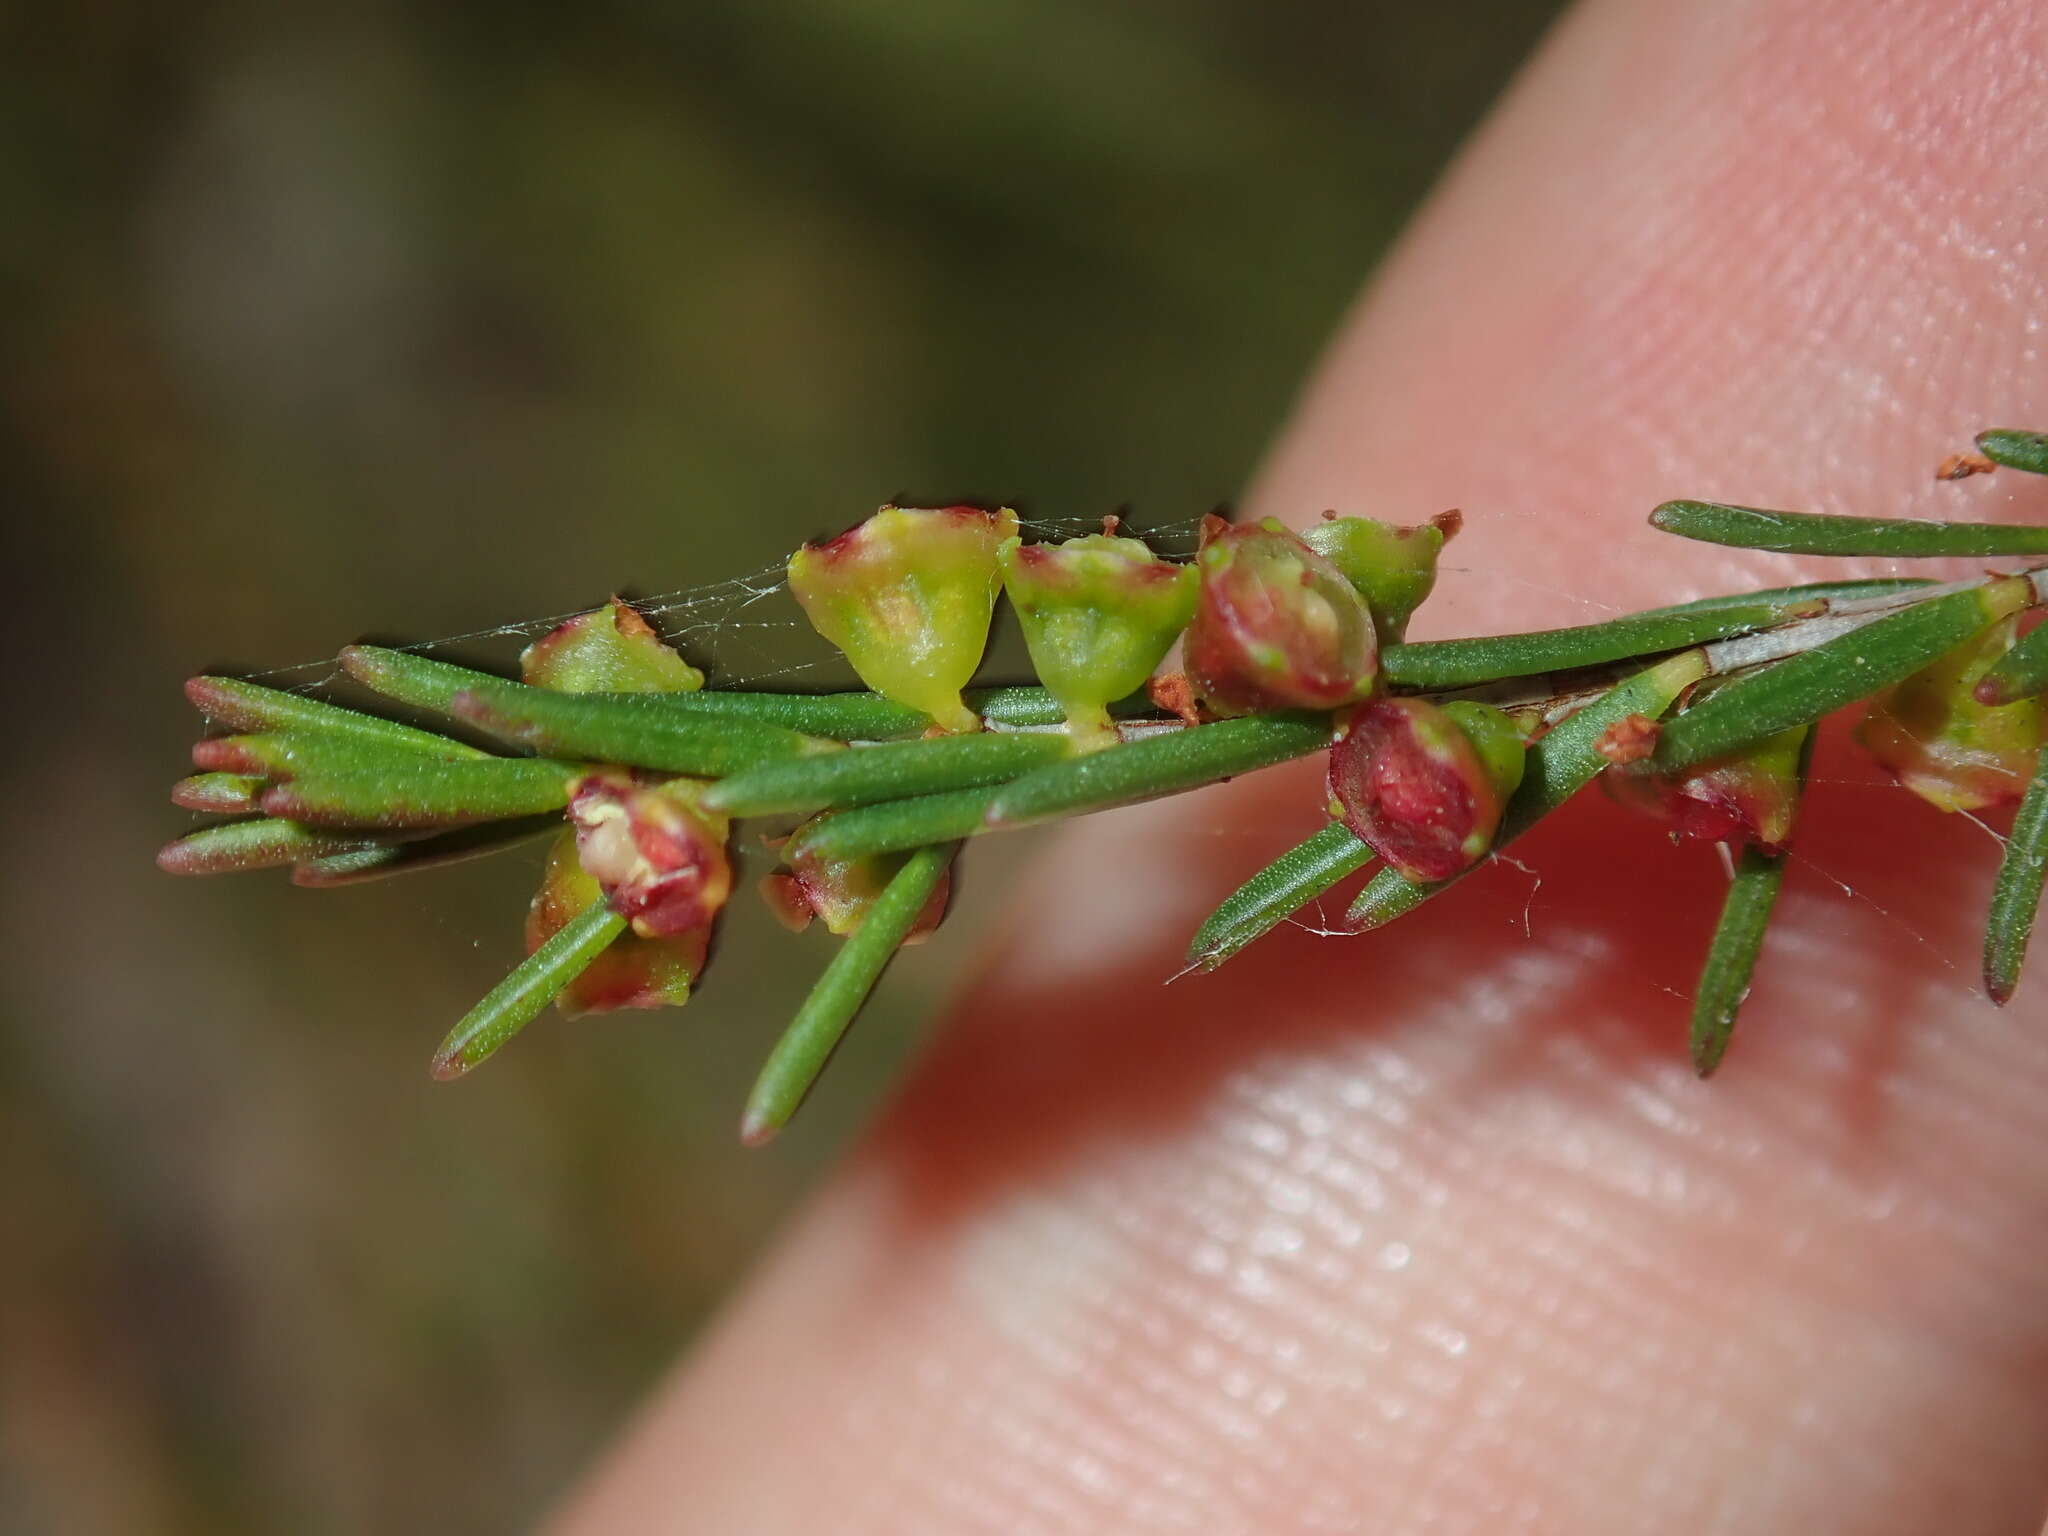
[223, 794]
[1158, 765]
[383, 860]
[2020, 673]
[800, 1055]
[1275, 893]
[2015, 450]
[1462, 663]
[517, 1000]
[425, 795]
[857, 716]
[1561, 762]
[641, 730]
[1731, 958]
[896, 825]
[1826, 591]
[264, 844]
[244, 706]
[2016, 895]
[893, 771]
[1802, 688]
[1816, 533]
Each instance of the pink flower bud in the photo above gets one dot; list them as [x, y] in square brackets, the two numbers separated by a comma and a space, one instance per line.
[1950, 750]
[632, 972]
[1751, 797]
[908, 595]
[608, 650]
[658, 856]
[1422, 788]
[840, 891]
[1276, 626]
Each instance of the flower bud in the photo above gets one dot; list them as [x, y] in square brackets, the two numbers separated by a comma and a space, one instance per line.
[1423, 785]
[1098, 614]
[840, 891]
[1276, 625]
[1950, 750]
[608, 650]
[1749, 797]
[656, 853]
[1392, 568]
[632, 972]
[908, 595]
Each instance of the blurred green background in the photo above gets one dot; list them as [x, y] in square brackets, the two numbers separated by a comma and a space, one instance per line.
[333, 321]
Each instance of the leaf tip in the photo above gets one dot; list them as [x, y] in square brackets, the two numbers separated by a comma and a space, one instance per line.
[758, 1127]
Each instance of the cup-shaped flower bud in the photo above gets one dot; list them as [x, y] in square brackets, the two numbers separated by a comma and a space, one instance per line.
[1392, 568]
[608, 650]
[839, 892]
[908, 595]
[1276, 625]
[657, 854]
[1751, 796]
[1423, 785]
[1098, 614]
[1950, 750]
[632, 972]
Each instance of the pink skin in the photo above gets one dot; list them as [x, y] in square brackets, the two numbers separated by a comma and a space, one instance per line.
[1433, 1231]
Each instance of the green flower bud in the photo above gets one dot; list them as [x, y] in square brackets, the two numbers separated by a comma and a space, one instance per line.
[1950, 750]
[1392, 568]
[1276, 625]
[608, 650]
[1098, 614]
[632, 972]
[840, 891]
[908, 595]
[1749, 797]
[1424, 785]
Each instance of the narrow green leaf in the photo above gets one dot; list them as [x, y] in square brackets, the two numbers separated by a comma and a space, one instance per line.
[517, 1000]
[800, 1055]
[1158, 765]
[1278, 891]
[1462, 663]
[242, 706]
[2015, 450]
[2016, 895]
[286, 754]
[383, 860]
[2020, 673]
[896, 825]
[893, 771]
[1731, 957]
[638, 729]
[1802, 688]
[429, 795]
[1817, 533]
[1561, 762]
[857, 716]
[223, 794]
[264, 844]
[1824, 591]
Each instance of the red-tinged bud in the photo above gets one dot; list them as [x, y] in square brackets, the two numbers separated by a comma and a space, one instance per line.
[1392, 568]
[1942, 744]
[1098, 614]
[608, 650]
[908, 595]
[632, 972]
[1276, 625]
[839, 892]
[1424, 785]
[1751, 797]
[658, 855]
